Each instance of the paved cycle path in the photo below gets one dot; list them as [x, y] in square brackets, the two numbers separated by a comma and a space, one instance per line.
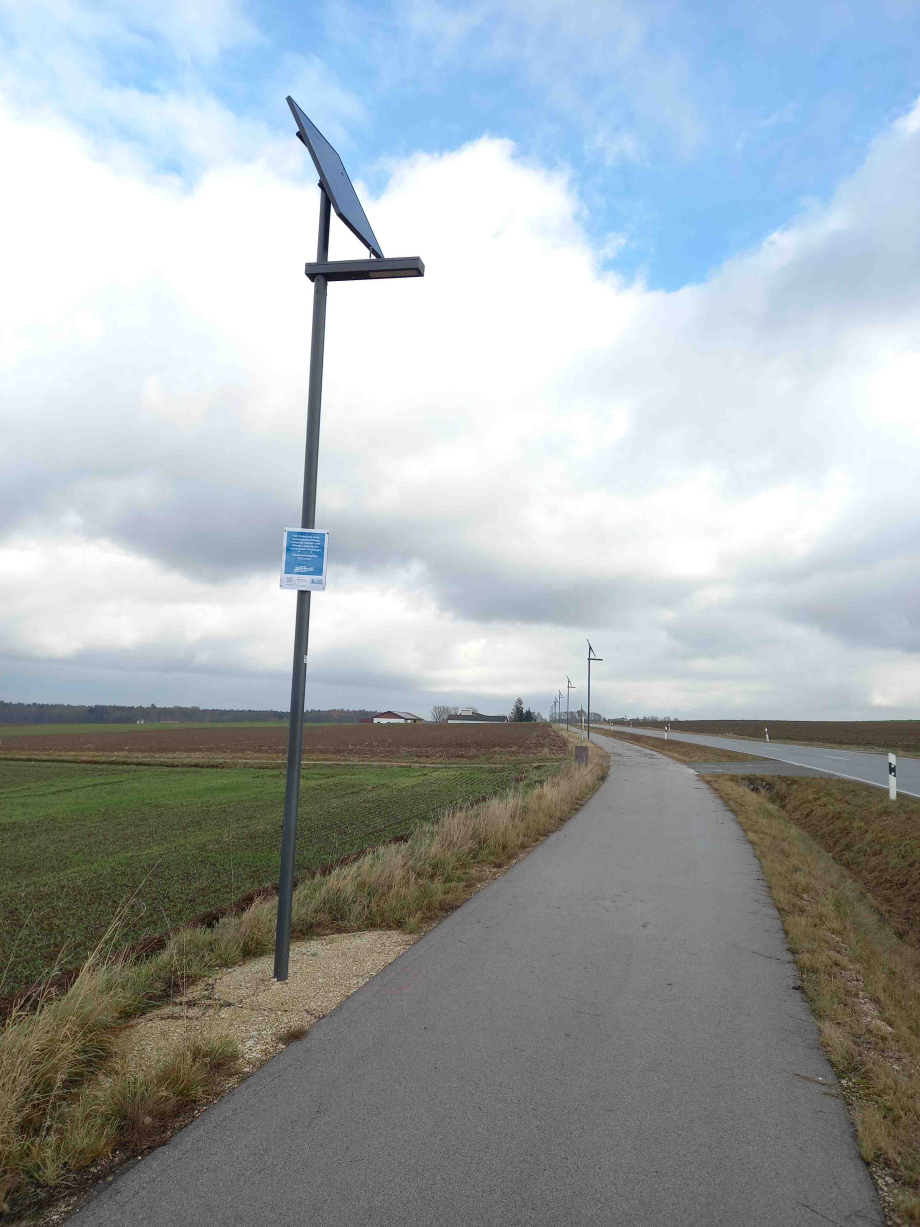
[608, 1034]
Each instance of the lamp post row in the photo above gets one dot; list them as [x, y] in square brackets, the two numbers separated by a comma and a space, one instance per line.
[593, 659]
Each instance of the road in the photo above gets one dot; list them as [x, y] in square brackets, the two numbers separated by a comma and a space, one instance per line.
[608, 1035]
[848, 764]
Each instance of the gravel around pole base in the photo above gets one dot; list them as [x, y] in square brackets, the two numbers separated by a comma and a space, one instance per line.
[261, 1015]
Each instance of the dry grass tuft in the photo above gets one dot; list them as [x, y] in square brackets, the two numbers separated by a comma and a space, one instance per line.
[409, 885]
[65, 1101]
[61, 1108]
[863, 983]
[292, 1035]
[139, 1103]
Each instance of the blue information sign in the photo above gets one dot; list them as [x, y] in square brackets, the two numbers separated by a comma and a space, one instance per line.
[303, 559]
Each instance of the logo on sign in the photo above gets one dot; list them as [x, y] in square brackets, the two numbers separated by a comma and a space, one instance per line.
[303, 559]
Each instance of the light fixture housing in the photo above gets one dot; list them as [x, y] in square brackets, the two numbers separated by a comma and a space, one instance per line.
[367, 270]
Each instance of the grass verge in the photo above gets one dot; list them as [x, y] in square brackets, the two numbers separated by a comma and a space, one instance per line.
[66, 1103]
[862, 980]
[64, 1108]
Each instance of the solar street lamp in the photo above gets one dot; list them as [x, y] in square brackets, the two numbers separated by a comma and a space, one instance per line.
[338, 194]
[591, 656]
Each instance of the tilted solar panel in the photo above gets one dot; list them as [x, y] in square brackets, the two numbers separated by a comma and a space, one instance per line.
[335, 180]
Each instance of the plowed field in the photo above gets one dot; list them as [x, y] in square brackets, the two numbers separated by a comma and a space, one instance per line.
[358, 742]
[897, 735]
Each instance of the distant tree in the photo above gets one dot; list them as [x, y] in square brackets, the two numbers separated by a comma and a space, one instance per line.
[528, 715]
[441, 711]
[517, 712]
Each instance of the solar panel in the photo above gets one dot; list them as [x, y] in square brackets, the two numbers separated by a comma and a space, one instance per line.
[335, 180]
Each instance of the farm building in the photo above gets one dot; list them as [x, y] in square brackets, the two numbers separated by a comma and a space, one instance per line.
[397, 717]
[476, 717]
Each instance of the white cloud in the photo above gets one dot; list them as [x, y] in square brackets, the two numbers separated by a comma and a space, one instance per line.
[521, 449]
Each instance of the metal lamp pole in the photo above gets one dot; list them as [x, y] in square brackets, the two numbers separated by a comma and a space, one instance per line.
[591, 656]
[302, 622]
[336, 192]
[568, 691]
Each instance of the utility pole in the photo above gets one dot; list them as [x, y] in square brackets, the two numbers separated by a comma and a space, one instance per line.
[591, 657]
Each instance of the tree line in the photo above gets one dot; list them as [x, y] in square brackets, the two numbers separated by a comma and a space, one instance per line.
[519, 712]
[114, 713]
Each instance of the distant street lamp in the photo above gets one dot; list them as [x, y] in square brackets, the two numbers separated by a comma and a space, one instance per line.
[336, 192]
[569, 689]
[591, 657]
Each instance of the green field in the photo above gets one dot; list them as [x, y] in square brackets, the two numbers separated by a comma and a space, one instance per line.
[80, 841]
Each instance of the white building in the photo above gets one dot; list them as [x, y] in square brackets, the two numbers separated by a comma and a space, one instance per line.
[397, 717]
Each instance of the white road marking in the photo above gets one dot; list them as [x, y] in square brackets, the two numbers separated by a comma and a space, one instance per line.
[842, 774]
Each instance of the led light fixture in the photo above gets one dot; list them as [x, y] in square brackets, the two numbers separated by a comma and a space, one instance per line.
[367, 270]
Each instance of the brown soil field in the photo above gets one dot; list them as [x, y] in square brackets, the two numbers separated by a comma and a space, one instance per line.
[359, 742]
[884, 735]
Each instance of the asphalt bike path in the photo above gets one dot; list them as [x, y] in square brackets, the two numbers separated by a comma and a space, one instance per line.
[857, 765]
[609, 1033]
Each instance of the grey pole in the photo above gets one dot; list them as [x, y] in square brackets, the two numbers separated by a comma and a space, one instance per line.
[568, 690]
[302, 622]
[591, 656]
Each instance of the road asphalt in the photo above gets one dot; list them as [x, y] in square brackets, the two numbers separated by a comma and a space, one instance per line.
[758, 766]
[609, 1034]
[846, 764]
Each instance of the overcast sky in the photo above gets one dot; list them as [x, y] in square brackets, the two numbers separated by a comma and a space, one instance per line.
[659, 385]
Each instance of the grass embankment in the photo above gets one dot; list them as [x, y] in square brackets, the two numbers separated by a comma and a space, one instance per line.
[842, 864]
[64, 1106]
[876, 841]
[77, 839]
[682, 751]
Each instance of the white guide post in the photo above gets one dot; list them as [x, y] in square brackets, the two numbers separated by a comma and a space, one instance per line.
[766, 734]
[892, 777]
